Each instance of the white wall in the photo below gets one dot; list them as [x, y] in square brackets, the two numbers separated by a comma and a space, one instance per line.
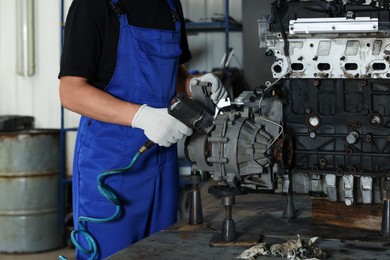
[208, 48]
[37, 95]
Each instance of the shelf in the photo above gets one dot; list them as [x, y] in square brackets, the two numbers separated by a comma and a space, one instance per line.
[67, 180]
[70, 129]
[211, 27]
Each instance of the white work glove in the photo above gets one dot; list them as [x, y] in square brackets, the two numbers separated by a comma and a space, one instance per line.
[159, 126]
[218, 90]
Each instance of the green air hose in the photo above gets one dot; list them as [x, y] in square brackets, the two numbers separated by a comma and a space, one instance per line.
[110, 194]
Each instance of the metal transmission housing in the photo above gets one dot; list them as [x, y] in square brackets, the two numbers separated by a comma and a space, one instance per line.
[238, 150]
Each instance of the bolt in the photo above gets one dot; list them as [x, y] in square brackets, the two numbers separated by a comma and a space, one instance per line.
[315, 83]
[269, 53]
[348, 202]
[323, 162]
[369, 138]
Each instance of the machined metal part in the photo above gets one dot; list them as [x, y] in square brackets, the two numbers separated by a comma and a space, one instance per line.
[238, 150]
[352, 55]
[333, 25]
[366, 189]
[385, 225]
[325, 117]
[348, 189]
[331, 187]
[195, 212]
[332, 68]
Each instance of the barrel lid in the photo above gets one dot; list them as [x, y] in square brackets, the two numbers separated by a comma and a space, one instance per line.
[15, 123]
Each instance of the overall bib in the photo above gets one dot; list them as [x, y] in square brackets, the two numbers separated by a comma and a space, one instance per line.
[145, 73]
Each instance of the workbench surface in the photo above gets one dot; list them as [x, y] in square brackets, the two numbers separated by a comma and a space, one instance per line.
[257, 217]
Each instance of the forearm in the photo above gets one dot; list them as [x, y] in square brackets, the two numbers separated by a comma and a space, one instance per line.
[183, 80]
[80, 97]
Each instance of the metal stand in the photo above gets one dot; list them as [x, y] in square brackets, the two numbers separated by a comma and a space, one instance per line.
[228, 232]
[385, 228]
[289, 211]
[196, 213]
[228, 235]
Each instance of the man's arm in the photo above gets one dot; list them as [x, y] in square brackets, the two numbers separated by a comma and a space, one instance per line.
[80, 97]
[183, 80]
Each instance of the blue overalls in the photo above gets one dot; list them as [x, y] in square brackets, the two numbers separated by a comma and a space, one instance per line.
[145, 73]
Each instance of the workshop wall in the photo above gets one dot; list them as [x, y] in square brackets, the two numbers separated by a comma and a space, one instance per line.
[257, 65]
[208, 48]
[37, 95]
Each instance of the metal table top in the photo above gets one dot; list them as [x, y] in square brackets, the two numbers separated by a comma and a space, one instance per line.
[256, 216]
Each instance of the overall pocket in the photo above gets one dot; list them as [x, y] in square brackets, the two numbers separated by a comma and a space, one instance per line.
[158, 61]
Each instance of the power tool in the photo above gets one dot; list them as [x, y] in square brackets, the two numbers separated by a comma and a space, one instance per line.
[191, 113]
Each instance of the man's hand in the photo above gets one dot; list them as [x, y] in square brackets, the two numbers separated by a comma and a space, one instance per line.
[218, 90]
[160, 127]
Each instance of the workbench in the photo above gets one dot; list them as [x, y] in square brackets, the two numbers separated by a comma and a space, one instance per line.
[257, 217]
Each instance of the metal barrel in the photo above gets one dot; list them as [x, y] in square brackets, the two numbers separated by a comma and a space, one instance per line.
[30, 204]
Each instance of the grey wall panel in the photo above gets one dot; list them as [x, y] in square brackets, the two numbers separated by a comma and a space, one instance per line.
[257, 66]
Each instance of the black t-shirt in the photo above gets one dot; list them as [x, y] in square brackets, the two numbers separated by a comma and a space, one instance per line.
[92, 31]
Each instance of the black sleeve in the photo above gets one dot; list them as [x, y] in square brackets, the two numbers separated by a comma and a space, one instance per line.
[90, 28]
[186, 53]
[156, 14]
[91, 39]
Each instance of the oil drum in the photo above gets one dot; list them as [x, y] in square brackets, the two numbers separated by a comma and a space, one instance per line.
[30, 219]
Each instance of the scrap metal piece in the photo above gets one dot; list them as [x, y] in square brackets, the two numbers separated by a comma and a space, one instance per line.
[288, 249]
[294, 249]
[298, 249]
[251, 253]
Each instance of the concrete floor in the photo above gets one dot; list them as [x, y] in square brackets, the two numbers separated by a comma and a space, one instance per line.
[49, 255]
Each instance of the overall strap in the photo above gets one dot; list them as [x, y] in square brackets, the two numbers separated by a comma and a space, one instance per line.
[174, 15]
[172, 7]
[118, 7]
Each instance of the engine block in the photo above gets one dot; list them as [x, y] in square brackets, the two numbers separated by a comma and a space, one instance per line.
[332, 59]
[324, 118]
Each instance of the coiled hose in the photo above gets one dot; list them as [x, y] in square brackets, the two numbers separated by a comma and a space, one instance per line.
[110, 194]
